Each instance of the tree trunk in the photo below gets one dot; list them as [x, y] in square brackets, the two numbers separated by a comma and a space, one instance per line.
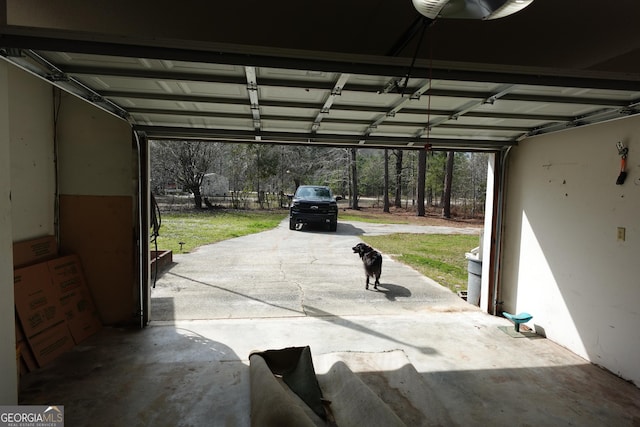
[448, 179]
[197, 197]
[398, 196]
[422, 173]
[354, 178]
[386, 181]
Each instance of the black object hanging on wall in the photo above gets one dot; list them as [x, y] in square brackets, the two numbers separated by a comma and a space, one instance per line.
[622, 151]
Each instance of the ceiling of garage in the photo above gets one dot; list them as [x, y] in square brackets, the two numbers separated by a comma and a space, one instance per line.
[377, 96]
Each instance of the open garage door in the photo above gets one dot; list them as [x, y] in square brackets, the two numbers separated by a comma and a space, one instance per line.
[236, 94]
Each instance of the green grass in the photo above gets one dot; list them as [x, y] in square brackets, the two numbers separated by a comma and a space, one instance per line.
[202, 228]
[438, 256]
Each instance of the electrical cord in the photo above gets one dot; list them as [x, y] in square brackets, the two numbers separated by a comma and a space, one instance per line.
[426, 23]
[156, 223]
[57, 104]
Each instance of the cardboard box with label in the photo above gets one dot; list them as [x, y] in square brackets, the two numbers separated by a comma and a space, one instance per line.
[53, 305]
[29, 252]
[27, 360]
[75, 299]
[37, 300]
[51, 343]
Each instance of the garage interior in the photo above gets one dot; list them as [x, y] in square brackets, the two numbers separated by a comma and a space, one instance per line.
[550, 91]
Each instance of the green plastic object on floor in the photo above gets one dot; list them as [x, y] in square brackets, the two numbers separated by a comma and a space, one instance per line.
[517, 319]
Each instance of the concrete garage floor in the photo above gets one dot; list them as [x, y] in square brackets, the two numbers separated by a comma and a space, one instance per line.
[283, 288]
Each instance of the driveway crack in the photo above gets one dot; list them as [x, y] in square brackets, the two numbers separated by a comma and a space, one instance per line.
[299, 285]
[284, 278]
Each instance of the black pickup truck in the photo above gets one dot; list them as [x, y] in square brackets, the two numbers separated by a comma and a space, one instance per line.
[314, 204]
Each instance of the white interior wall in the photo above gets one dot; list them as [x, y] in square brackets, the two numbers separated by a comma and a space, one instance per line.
[563, 262]
[8, 369]
[26, 137]
[94, 151]
[32, 156]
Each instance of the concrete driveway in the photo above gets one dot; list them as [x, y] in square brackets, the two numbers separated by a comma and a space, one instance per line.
[285, 273]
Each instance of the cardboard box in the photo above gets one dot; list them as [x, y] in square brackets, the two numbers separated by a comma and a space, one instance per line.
[19, 333]
[51, 343]
[37, 300]
[33, 251]
[27, 361]
[18, 369]
[78, 307]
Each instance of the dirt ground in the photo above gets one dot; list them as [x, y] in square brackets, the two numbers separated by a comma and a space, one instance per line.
[433, 216]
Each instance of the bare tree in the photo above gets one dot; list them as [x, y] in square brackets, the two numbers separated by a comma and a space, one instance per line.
[386, 181]
[354, 179]
[163, 171]
[264, 160]
[187, 162]
[194, 161]
[300, 163]
[422, 172]
[478, 164]
[436, 165]
[448, 180]
[398, 172]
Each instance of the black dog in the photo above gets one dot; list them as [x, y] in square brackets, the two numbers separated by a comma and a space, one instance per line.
[372, 261]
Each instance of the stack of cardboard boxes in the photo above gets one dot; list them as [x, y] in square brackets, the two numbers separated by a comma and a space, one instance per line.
[54, 308]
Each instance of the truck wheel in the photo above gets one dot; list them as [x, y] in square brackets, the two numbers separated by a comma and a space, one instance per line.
[292, 224]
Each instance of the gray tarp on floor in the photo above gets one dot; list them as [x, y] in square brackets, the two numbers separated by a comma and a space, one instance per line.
[351, 389]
